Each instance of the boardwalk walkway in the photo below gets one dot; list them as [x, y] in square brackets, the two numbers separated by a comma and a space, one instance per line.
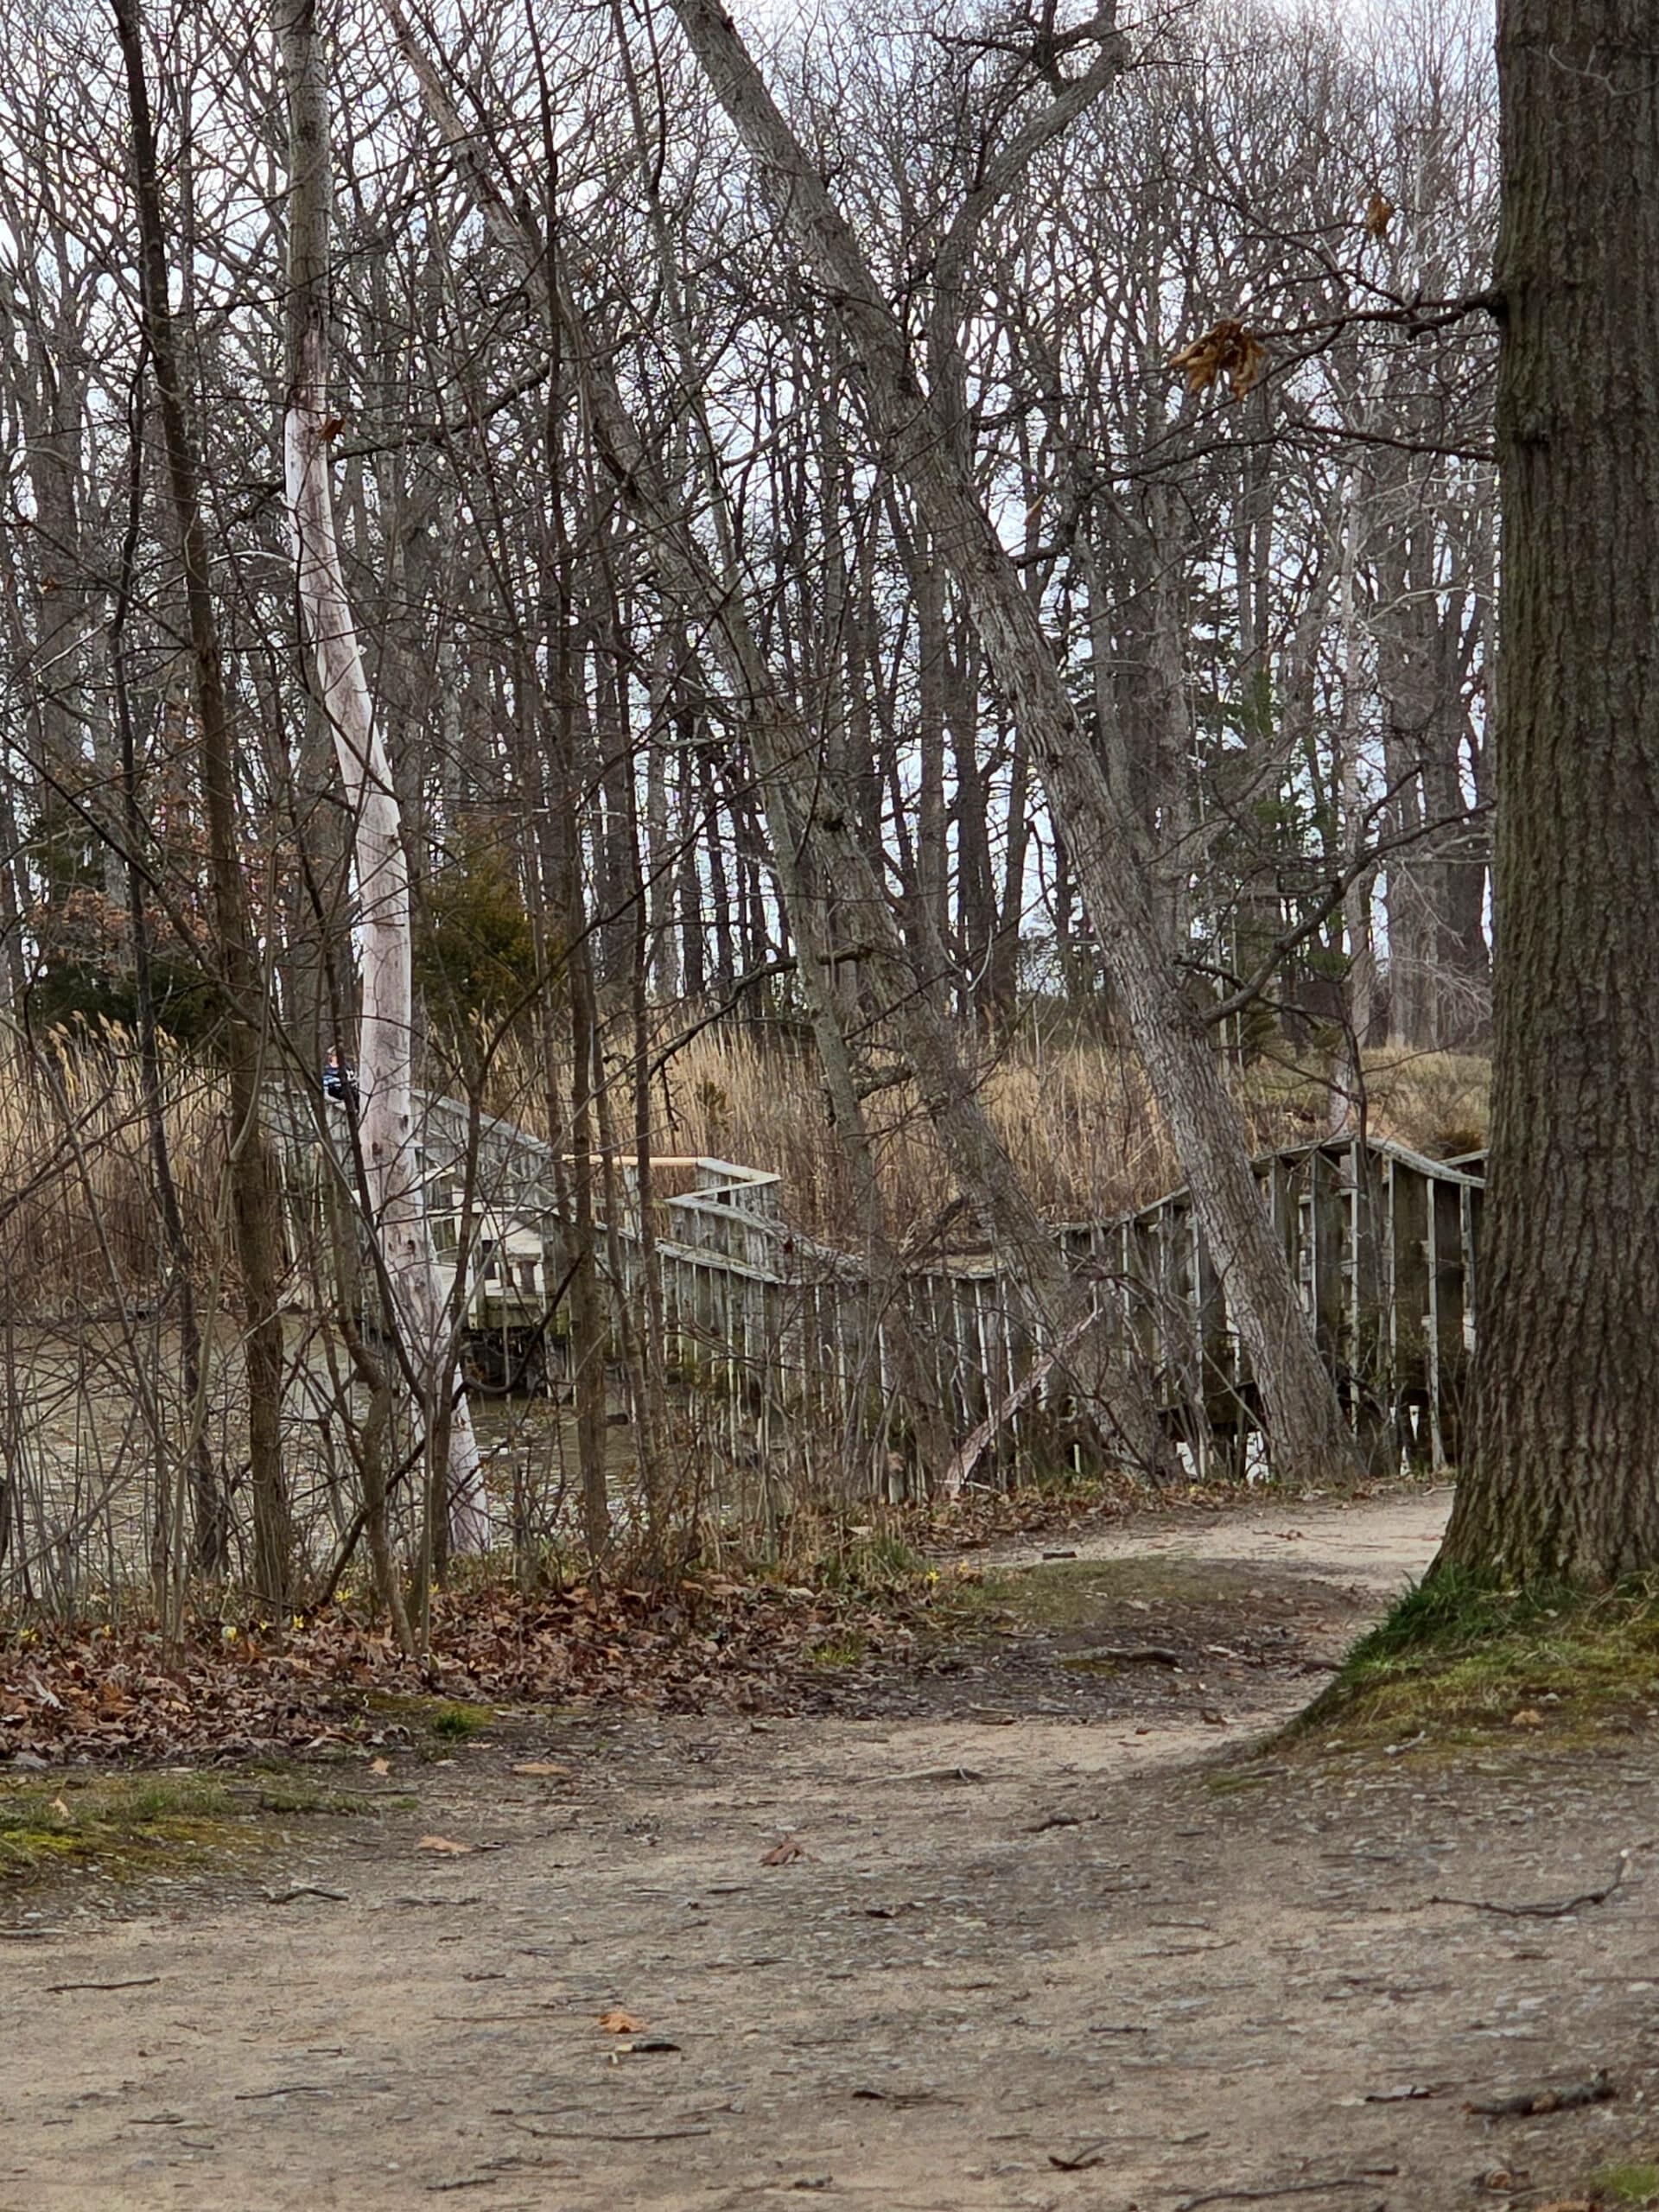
[776, 1342]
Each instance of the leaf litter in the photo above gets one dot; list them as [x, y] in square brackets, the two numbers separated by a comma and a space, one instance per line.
[124, 1692]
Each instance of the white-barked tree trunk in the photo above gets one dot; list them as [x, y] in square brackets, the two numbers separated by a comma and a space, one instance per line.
[384, 1059]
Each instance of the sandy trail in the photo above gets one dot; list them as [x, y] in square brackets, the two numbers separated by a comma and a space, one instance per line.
[1379, 1546]
[1047, 1961]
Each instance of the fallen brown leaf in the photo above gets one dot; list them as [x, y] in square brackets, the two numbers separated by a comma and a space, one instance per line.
[785, 1852]
[548, 1767]
[616, 2022]
[446, 1846]
[380, 1766]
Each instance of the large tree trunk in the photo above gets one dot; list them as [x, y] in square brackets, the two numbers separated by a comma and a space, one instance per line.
[1306, 1431]
[255, 1202]
[1565, 1479]
[394, 1195]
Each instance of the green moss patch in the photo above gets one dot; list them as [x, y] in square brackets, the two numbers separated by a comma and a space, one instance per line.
[131, 1824]
[452, 1724]
[1462, 1657]
[294, 1794]
[1632, 2182]
[446, 1720]
[119, 1822]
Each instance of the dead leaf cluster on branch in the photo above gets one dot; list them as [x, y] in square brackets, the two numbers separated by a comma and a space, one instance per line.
[1225, 350]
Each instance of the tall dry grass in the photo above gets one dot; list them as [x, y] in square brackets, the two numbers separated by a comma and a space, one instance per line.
[1075, 1119]
[1075, 1115]
[80, 1227]
[1439, 1102]
[79, 1217]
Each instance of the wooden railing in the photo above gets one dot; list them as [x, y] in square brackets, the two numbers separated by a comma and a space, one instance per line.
[783, 1349]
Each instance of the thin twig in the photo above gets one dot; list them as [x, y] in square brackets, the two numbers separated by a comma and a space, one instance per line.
[141, 1981]
[609, 2134]
[1545, 1910]
[1267, 2195]
[1598, 2090]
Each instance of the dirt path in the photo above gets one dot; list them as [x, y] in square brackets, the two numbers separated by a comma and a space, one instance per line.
[1376, 1547]
[1041, 1912]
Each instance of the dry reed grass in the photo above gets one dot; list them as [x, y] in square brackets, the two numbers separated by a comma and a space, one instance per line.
[1075, 1118]
[78, 1216]
[79, 1223]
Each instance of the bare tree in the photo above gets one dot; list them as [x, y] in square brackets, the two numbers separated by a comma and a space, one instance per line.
[396, 1204]
[1309, 1432]
[255, 1196]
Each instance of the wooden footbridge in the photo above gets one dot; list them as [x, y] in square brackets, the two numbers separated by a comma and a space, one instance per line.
[779, 1348]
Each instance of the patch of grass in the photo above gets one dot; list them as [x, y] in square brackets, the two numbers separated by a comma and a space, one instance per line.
[870, 1564]
[1462, 1655]
[453, 1723]
[1634, 2183]
[120, 1822]
[129, 1824]
[847, 1648]
[450, 1719]
[292, 1794]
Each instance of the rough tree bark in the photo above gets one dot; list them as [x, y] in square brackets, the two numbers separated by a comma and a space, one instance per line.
[1306, 1431]
[393, 1196]
[1565, 1478]
[255, 1202]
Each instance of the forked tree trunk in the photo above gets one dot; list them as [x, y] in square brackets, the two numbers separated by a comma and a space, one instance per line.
[394, 1196]
[1565, 1479]
[1309, 1437]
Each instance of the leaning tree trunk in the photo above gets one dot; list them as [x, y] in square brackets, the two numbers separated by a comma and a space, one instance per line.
[393, 1195]
[819, 855]
[1565, 1479]
[1306, 1427]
